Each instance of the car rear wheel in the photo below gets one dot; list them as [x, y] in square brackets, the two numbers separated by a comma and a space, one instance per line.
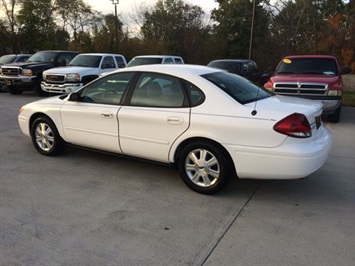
[45, 137]
[204, 167]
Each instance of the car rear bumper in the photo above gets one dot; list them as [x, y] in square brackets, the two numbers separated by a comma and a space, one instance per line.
[291, 160]
[61, 88]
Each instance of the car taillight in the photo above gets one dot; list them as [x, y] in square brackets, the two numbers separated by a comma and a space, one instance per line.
[295, 125]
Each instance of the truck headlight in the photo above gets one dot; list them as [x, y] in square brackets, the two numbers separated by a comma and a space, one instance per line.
[73, 77]
[335, 93]
[27, 72]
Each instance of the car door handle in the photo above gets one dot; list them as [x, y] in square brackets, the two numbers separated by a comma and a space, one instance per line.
[175, 120]
[107, 115]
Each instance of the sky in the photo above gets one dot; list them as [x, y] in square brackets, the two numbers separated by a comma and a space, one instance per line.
[128, 6]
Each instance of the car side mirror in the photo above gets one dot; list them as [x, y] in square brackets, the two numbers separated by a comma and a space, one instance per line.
[346, 70]
[74, 97]
[264, 78]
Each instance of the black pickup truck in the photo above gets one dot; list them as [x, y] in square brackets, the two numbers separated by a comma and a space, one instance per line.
[242, 67]
[28, 75]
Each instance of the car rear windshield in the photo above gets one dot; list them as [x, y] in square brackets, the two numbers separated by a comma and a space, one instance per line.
[86, 61]
[318, 66]
[144, 61]
[240, 89]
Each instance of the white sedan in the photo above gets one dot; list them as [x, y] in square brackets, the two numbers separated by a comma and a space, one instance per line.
[209, 123]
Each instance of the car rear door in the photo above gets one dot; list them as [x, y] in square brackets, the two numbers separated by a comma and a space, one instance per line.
[155, 116]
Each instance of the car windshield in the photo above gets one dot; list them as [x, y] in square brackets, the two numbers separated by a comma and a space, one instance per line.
[144, 61]
[232, 67]
[6, 59]
[86, 61]
[319, 66]
[240, 89]
[43, 57]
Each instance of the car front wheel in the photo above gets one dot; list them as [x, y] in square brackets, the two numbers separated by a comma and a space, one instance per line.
[204, 167]
[45, 137]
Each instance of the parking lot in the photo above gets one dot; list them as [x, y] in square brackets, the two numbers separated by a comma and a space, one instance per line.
[87, 208]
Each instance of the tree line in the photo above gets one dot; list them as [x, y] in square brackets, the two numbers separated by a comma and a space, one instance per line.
[278, 27]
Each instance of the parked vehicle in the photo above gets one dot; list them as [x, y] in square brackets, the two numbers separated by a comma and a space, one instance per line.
[155, 59]
[13, 58]
[28, 75]
[316, 77]
[83, 69]
[242, 67]
[205, 121]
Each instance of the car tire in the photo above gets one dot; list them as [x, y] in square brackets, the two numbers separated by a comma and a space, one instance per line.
[14, 90]
[38, 90]
[45, 137]
[204, 167]
[334, 118]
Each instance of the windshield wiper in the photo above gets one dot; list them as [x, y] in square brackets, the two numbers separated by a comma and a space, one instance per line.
[312, 72]
[82, 65]
[285, 72]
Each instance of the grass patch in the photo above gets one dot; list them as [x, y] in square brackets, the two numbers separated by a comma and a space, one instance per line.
[349, 98]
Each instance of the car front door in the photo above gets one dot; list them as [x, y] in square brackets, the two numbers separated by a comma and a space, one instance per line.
[91, 119]
[155, 116]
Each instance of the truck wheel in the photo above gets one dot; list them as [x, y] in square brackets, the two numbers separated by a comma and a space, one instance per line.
[334, 118]
[14, 90]
[38, 90]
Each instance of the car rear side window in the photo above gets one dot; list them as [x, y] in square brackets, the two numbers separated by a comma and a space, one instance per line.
[194, 94]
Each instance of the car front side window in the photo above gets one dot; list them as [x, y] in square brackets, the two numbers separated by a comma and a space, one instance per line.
[107, 90]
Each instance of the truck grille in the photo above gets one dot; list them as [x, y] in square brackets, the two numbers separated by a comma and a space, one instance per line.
[55, 78]
[11, 71]
[300, 88]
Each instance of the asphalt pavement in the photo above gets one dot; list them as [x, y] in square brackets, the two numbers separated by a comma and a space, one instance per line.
[87, 208]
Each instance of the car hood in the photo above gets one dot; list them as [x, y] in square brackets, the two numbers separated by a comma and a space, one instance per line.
[305, 78]
[29, 64]
[69, 69]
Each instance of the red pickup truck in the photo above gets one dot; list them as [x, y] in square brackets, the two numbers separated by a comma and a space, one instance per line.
[315, 77]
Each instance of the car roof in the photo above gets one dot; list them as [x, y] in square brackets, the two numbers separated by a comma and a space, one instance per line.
[309, 56]
[156, 56]
[58, 51]
[180, 70]
[16, 55]
[100, 54]
[232, 60]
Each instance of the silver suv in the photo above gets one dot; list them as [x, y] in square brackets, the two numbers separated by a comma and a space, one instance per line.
[155, 59]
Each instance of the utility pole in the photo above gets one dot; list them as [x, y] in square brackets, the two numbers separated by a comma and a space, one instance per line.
[116, 2]
[252, 30]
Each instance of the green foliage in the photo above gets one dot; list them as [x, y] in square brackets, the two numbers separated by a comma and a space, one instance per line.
[174, 28]
[349, 98]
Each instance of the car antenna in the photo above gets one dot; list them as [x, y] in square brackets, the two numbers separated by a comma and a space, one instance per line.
[254, 112]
